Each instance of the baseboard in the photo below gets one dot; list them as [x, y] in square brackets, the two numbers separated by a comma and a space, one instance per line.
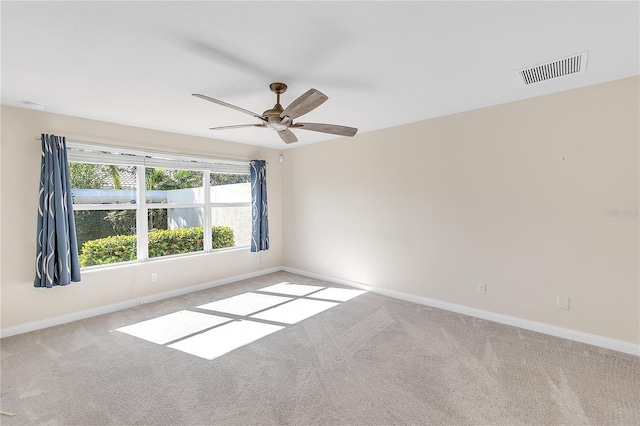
[75, 316]
[566, 333]
[578, 336]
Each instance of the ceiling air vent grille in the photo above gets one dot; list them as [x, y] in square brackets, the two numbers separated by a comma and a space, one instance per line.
[570, 65]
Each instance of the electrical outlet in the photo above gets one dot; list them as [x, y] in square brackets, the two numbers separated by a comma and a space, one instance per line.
[482, 288]
[154, 277]
[563, 302]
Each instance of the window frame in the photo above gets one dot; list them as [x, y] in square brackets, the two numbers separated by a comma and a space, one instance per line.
[111, 155]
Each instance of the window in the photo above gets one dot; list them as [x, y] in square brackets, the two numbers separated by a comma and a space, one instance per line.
[134, 206]
[231, 204]
[175, 202]
[104, 204]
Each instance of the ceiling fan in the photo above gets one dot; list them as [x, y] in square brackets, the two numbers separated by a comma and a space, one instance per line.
[281, 119]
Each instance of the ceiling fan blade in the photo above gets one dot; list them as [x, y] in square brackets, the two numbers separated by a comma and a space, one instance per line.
[236, 126]
[308, 101]
[287, 136]
[334, 129]
[219, 102]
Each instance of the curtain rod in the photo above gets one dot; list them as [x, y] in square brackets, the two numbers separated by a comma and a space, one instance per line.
[38, 138]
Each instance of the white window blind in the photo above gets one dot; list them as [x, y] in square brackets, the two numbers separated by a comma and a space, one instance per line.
[96, 154]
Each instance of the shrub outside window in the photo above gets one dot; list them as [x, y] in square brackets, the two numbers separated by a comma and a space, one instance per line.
[133, 206]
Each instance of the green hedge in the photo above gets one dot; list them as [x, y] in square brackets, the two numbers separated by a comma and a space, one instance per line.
[162, 242]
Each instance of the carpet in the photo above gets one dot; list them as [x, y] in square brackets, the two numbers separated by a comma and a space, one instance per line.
[360, 359]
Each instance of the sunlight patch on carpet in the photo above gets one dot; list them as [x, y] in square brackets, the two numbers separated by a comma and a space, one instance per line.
[291, 289]
[245, 304]
[338, 294]
[224, 339]
[173, 326]
[296, 311]
[208, 335]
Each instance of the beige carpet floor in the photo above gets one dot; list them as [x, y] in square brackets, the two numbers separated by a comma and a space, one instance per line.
[371, 360]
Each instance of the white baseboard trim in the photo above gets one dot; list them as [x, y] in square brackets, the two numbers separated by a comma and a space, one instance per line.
[578, 336]
[101, 310]
[565, 333]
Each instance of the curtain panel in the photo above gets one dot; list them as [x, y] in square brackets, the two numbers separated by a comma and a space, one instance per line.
[56, 245]
[259, 213]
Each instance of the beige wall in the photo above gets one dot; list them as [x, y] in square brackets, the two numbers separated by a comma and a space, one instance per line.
[514, 195]
[22, 303]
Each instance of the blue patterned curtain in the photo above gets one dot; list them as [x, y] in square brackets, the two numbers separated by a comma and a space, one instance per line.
[57, 248]
[259, 214]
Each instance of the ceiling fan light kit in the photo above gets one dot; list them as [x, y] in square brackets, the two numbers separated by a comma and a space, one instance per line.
[281, 119]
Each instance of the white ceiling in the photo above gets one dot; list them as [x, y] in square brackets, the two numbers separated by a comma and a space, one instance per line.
[381, 63]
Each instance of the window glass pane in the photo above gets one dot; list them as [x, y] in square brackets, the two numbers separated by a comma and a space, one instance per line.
[228, 179]
[105, 236]
[102, 183]
[236, 218]
[173, 186]
[232, 188]
[175, 231]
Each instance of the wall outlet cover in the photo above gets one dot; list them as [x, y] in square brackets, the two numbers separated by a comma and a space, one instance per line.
[563, 302]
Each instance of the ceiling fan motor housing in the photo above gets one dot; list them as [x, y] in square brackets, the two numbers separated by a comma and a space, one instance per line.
[274, 121]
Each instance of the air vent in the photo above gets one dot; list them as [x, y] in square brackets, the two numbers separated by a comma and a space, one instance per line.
[570, 65]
